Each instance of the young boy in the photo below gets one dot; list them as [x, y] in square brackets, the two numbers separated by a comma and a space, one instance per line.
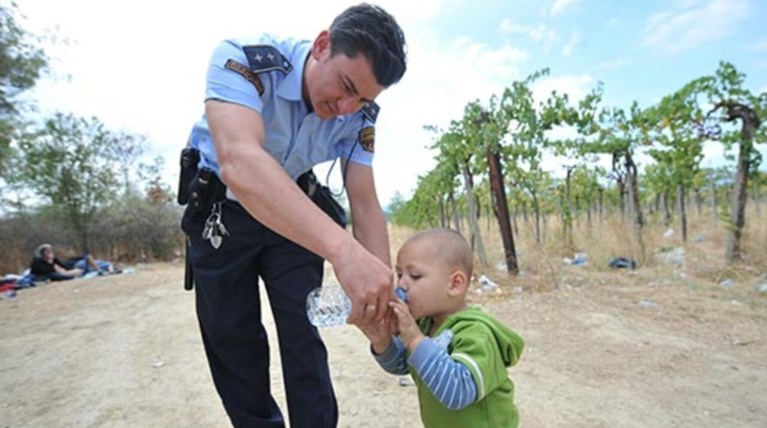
[457, 355]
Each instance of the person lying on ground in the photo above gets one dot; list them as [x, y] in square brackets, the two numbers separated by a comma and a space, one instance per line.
[46, 266]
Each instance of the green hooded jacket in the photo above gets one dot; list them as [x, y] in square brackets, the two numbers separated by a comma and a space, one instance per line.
[487, 348]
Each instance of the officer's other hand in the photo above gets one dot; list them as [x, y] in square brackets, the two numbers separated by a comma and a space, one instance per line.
[368, 282]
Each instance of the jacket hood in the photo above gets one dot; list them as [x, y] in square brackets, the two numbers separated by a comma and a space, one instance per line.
[509, 343]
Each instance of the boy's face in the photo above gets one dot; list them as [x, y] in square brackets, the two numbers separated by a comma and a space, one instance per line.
[421, 272]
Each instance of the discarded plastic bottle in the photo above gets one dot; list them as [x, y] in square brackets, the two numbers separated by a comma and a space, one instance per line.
[330, 306]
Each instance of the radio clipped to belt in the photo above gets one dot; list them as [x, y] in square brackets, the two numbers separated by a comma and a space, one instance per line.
[322, 197]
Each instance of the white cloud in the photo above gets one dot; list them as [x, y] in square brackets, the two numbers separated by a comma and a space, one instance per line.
[538, 33]
[510, 27]
[571, 44]
[691, 24]
[545, 35]
[559, 6]
[140, 66]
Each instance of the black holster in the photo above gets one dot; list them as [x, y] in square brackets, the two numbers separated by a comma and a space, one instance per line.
[322, 197]
[190, 157]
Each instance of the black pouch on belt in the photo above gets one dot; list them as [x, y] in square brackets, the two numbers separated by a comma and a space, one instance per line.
[322, 197]
[205, 190]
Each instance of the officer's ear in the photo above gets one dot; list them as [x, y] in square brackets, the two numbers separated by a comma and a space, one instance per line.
[321, 44]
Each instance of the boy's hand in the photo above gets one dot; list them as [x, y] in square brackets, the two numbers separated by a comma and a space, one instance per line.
[408, 329]
[380, 333]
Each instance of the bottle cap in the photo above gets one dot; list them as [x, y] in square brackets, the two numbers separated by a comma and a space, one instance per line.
[401, 294]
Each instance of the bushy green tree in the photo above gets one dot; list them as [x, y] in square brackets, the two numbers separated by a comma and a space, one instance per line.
[733, 102]
[70, 163]
[22, 62]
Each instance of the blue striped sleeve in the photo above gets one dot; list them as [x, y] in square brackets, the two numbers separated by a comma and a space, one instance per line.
[394, 359]
[448, 380]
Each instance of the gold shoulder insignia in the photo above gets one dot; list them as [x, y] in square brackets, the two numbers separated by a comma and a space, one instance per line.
[367, 138]
[247, 73]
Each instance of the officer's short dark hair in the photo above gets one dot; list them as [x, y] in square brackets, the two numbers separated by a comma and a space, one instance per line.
[370, 30]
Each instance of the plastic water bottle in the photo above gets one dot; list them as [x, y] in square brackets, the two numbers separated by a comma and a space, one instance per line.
[330, 306]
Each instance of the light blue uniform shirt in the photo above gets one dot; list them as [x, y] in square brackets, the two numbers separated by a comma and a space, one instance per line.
[297, 139]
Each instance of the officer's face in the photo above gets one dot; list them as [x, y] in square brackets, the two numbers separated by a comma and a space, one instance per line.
[338, 85]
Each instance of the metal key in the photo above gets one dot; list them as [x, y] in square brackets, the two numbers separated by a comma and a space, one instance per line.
[210, 224]
[207, 232]
[221, 228]
[215, 241]
[215, 227]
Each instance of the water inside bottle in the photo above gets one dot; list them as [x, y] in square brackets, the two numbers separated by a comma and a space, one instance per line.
[328, 306]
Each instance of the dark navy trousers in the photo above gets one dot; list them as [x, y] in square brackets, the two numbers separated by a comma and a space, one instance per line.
[229, 313]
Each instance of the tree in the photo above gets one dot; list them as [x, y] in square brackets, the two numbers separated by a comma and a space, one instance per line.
[69, 162]
[585, 147]
[621, 134]
[419, 211]
[487, 131]
[727, 94]
[585, 187]
[22, 62]
[126, 150]
[658, 180]
[676, 120]
[395, 205]
[157, 192]
[457, 154]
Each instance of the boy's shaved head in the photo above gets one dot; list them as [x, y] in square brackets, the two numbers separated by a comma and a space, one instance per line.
[449, 248]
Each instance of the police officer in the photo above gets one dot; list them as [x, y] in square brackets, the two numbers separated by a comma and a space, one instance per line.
[274, 108]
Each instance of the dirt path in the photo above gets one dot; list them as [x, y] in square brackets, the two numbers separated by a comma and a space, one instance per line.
[124, 351]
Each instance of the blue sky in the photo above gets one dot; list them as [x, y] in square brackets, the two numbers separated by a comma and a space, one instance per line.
[140, 65]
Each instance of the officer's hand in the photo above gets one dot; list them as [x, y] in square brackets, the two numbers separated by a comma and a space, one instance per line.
[368, 282]
[380, 333]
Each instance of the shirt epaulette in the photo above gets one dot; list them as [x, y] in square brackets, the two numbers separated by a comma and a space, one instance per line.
[263, 58]
[370, 110]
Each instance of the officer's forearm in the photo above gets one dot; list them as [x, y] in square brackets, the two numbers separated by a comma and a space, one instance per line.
[263, 187]
[369, 228]
[269, 195]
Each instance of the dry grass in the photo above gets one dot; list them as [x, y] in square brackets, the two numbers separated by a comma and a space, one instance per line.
[542, 266]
